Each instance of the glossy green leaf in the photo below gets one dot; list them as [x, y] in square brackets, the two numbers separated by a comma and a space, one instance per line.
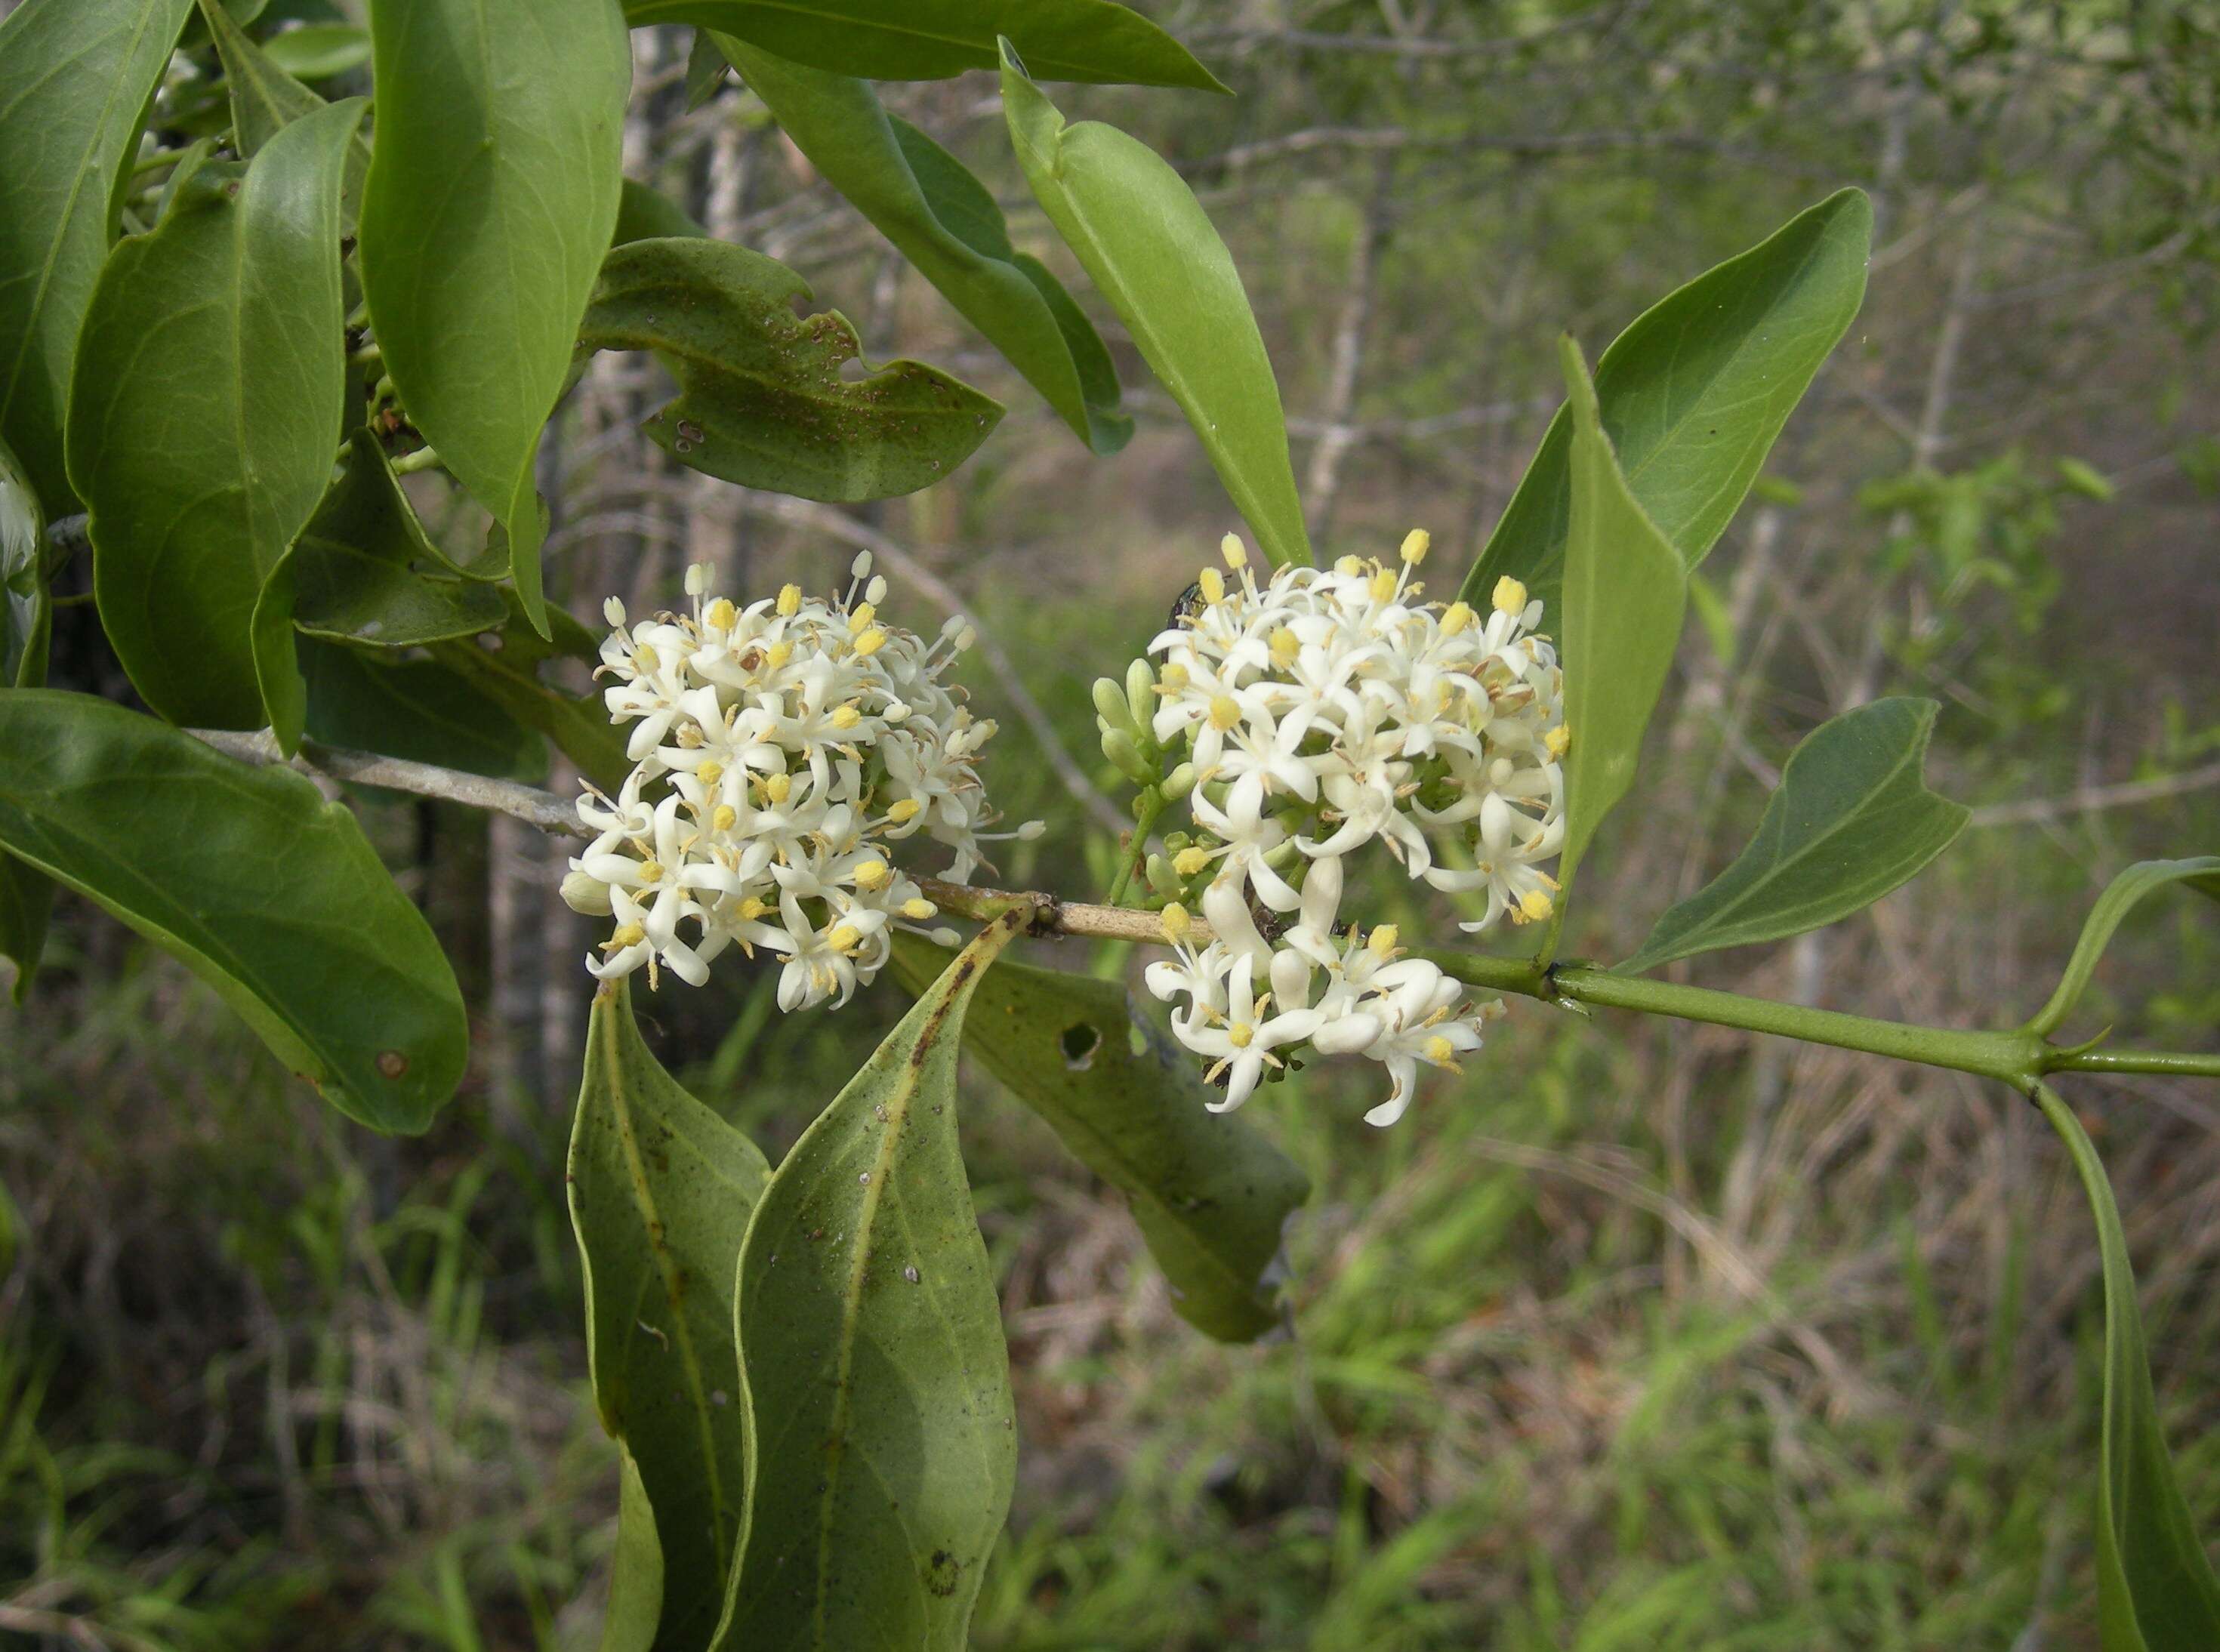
[1694, 392]
[1625, 594]
[265, 100]
[1147, 244]
[492, 195]
[946, 224]
[26, 626]
[266, 892]
[75, 77]
[504, 666]
[635, 1567]
[422, 709]
[364, 572]
[196, 480]
[1851, 820]
[871, 1340]
[762, 398]
[318, 51]
[661, 1190]
[930, 40]
[2155, 1588]
[2121, 896]
[1210, 1193]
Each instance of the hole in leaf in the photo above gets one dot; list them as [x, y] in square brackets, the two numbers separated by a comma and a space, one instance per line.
[1080, 1042]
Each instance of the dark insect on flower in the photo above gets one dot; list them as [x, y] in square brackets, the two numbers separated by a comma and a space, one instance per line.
[1189, 605]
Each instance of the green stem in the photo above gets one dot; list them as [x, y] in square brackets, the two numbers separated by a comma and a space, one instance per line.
[423, 458]
[1151, 806]
[2135, 1060]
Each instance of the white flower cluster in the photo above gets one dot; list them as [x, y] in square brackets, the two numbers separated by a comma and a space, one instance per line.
[779, 750]
[1322, 710]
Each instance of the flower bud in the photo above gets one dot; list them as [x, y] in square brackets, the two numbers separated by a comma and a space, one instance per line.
[586, 894]
[1180, 782]
[1140, 694]
[1118, 746]
[1110, 705]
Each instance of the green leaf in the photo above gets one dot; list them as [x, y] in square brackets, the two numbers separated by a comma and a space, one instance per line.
[1852, 820]
[635, 1568]
[2121, 896]
[644, 213]
[930, 40]
[266, 100]
[318, 51]
[945, 222]
[421, 709]
[762, 399]
[2155, 1588]
[26, 627]
[364, 572]
[661, 1190]
[75, 76]
[1210, 1193]
[1695, 391]
[871, 1340]
[1148, 245]
[492, 195]
[504, 664]
[198, 479]
[266, 892]
[1625, 596]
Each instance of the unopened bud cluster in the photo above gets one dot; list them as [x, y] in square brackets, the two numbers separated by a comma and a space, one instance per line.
[781, 752]
[1302, 718]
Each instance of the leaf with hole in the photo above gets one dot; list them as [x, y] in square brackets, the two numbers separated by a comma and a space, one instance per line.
[947, 223]
[266, 891]
[2155, 1587]
[1148, 246]
[1851, 820]
[196, 481]
[1694, 392]
[2121, 896]
[871, 1339]
[1209, 1192]
[764, 399]
[76, 77]
[492, 195]
[930, 40]
[661, 1190]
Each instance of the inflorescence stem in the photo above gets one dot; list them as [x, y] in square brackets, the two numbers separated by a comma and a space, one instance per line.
[2019, 1058]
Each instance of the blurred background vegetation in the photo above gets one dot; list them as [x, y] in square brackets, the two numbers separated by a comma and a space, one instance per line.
[1638, 1336]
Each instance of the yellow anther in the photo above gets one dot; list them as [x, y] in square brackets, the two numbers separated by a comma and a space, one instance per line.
[1510, 596]
[754, 908]
[846, 717]
[918, 908]
[1559, 740]
[1456, 618]
[861, 617]
[1176, 923]
[650, 871]
[1224, 712]
[1440, 1051]
[1415, 545]
[724, 819]
[1190, 861]
[790, 600]
[778, 787]
[872, 873]
[1239, 1034]
[645, 657]
[1173, 678]
[777, 654]
[907, 809]
[627, 935]
[1381, 942]
[870, 642]
[1214, 585]
[1534, 906]
[844, 939]
[1235, 552]
[721, 614]
[1285, 647]
[1382, 587]
[1350, 567]
[708, 771]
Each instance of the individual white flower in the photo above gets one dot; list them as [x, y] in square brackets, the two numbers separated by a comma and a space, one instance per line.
[779, 751]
